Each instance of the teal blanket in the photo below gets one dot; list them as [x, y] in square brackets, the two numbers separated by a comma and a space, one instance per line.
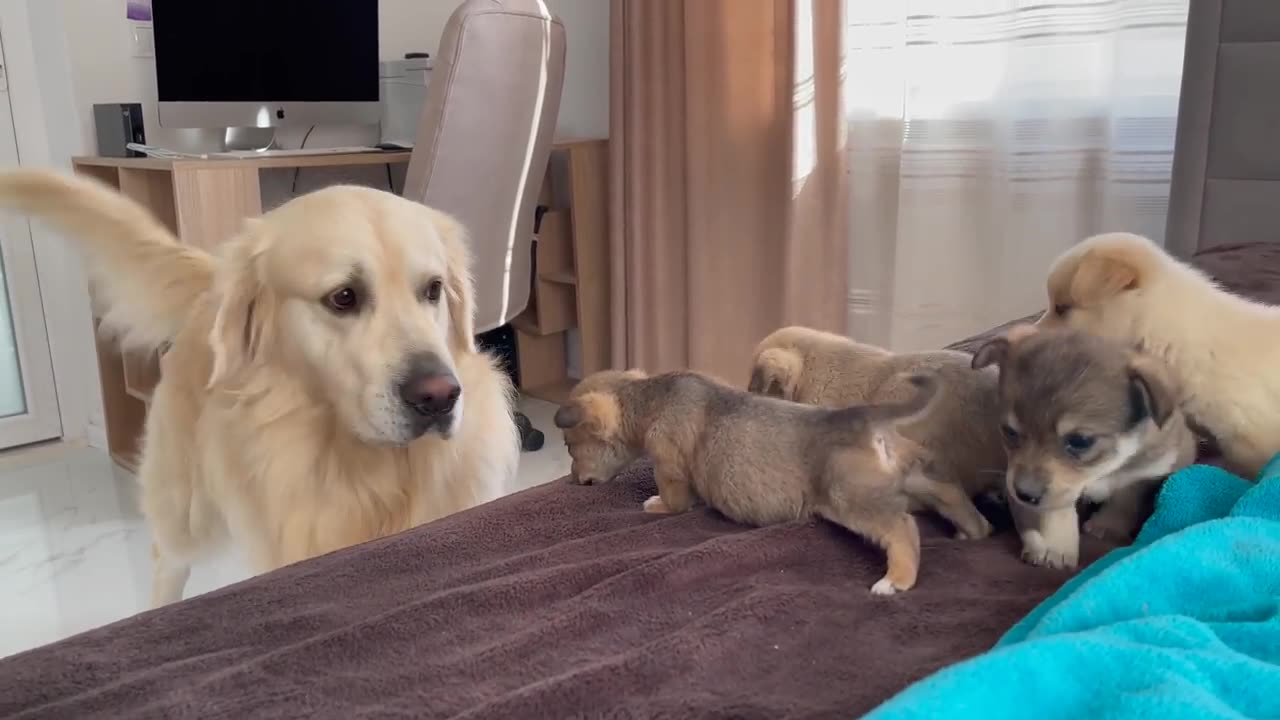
[1185, 623]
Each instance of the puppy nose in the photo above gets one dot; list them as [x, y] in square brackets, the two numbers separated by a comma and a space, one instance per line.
[1027, 494]
[430, 388]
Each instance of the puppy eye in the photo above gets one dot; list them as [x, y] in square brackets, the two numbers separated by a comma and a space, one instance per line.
[1061, 310]
[1077, 444]
[431, 293]
[343, 301]
[1011, 436]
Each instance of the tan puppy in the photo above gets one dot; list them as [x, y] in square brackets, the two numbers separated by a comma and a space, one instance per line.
[962, 453]
[322, 388]
[757, 460]
[1223, 350]
[1083, 418]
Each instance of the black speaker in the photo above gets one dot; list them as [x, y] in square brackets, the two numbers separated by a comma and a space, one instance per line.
[119, 124]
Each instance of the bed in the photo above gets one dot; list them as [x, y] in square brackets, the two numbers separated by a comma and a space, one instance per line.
[566, 601]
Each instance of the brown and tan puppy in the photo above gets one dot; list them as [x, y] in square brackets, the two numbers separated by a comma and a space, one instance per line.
[1083, 418]
[962, 454]
[1222, 349]
[757, 460]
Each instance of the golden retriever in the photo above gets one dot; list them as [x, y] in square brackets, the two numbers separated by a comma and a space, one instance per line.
[1223, 350]
[322, 386]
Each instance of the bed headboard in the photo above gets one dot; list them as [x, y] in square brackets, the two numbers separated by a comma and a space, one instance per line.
[1226, 168]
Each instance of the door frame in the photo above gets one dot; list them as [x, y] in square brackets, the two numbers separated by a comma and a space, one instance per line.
[47, 125]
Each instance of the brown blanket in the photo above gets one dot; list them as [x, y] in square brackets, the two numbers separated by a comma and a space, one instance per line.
[562, 601]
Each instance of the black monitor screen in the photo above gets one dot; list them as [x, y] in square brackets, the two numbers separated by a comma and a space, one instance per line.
[266, 50]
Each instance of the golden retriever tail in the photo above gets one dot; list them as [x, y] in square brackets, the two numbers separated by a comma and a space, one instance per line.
[145, 282]
[776, 372]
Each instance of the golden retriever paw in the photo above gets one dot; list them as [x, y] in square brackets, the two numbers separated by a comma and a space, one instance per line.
[884, 586]
[656, 506]
[1036, 551]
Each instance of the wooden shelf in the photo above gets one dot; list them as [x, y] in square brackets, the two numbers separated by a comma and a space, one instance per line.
[555, 392]
[563, 277]
[570, 288]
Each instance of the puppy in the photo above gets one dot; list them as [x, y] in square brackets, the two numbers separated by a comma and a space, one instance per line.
[1083, 418]
[962, 453]
[757, 460]
[1223, 350]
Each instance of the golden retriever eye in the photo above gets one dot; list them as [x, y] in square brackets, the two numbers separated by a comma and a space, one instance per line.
[343, 301]
[431, 293]
[1061, 310]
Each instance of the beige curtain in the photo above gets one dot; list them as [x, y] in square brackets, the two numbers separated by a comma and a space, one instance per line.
[728, 193]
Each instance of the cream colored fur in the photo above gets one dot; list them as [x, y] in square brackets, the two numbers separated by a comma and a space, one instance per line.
[1223, 350]
[274, 423]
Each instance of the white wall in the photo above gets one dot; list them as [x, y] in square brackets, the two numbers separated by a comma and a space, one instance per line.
[105, 71]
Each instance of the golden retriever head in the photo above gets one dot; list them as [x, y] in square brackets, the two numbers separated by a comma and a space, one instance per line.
[1075, 409]
[1098, 286]
[592, 420]
[363, 297]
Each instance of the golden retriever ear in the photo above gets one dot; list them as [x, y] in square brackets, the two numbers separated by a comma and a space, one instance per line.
[459, 287]
[242, 325]
[1098, 277]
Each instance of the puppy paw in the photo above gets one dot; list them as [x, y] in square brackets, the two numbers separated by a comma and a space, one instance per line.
[1036, 551]
[883, 586]
[656, 506]
[977, 533]
[1109, 527]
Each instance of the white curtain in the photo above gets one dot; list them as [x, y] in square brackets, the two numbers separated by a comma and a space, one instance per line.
[985, 137]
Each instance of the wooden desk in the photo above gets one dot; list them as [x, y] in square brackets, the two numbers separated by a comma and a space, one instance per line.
[205, 201]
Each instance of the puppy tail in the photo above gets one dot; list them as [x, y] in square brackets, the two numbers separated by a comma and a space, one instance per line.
[927, 388]
[145, 282]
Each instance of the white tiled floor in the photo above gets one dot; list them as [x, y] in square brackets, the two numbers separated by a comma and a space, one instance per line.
[75, 552]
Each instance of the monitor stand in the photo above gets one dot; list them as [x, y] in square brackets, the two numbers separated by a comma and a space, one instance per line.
[249, 138]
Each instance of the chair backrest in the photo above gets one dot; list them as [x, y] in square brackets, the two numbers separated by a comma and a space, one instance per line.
[485, 139]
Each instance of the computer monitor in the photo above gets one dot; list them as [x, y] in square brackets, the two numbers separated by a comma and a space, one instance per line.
[266, 63]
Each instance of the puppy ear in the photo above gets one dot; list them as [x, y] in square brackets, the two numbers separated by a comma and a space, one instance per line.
[1151, 394]
[597, 412]
[459, 288]
[568, 416]
[242, 327]
[1098, 277]
[993, 353]
[776, 373]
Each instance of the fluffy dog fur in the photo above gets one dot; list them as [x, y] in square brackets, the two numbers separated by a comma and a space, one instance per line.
[757, 460]
[961, 450]
[1223, 350]
[1083, 418]
[280, 420]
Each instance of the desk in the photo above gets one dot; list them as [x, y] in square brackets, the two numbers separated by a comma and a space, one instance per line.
[205, 201]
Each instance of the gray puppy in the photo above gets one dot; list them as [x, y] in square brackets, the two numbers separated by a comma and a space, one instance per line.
[757, 460]
[1083, 418]
[962, 454]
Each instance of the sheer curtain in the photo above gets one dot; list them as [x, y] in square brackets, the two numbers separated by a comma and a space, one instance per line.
[986, 136]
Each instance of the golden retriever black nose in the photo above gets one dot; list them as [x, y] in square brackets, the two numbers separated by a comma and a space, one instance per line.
[430, 388]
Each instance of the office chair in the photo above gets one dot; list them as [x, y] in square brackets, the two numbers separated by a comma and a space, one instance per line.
[484, 142]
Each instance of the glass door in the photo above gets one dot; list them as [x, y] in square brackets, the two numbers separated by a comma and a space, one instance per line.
[28, 401]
